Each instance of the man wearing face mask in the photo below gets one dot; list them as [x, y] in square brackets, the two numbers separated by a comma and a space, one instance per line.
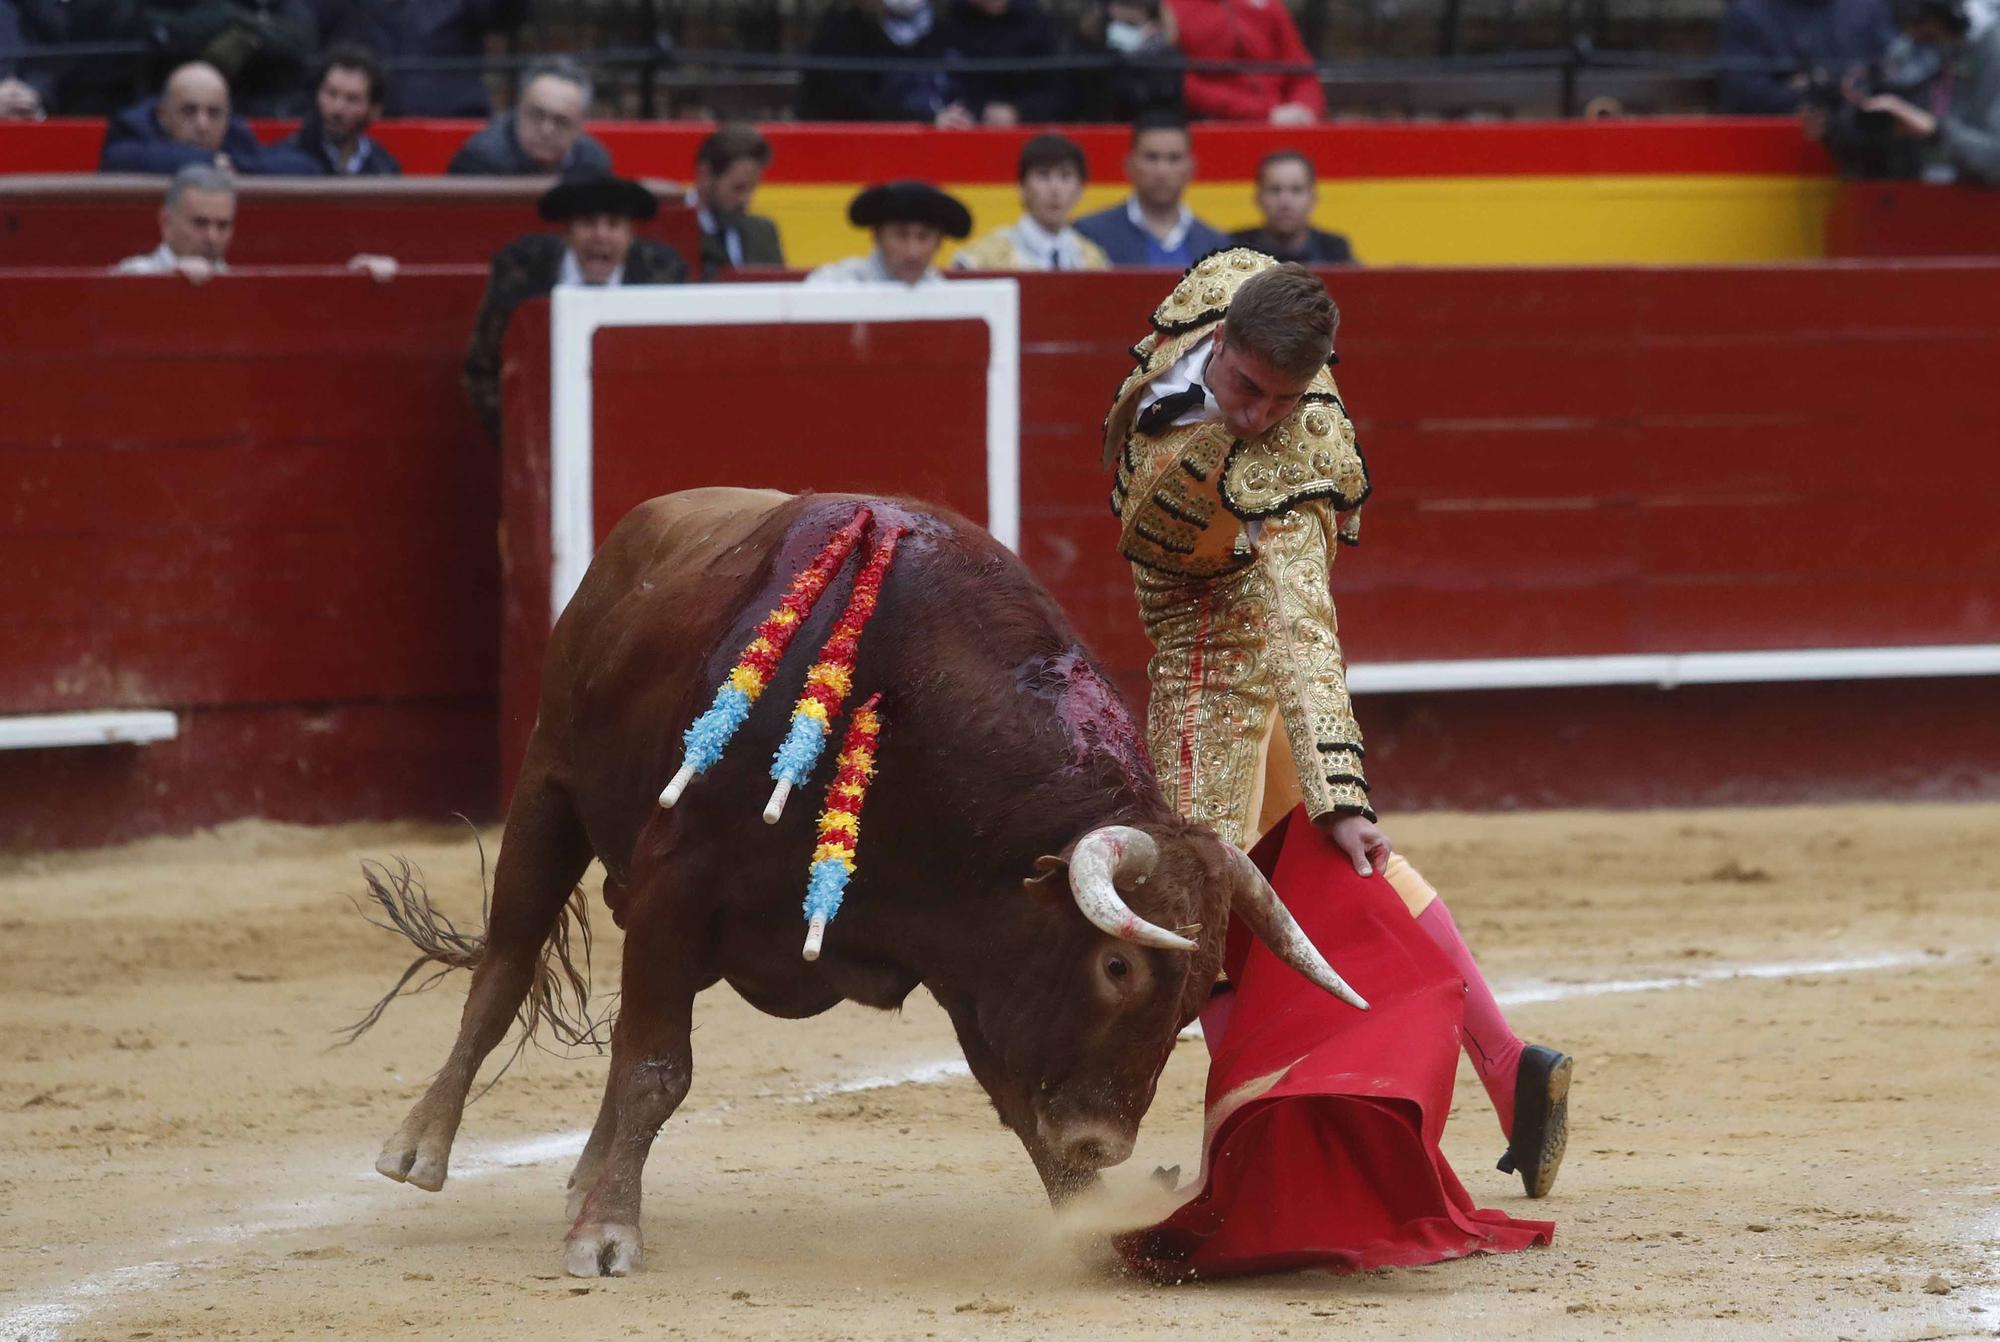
[1237, 478]
[1052, 172]
[891, 30]
[728, 167]
[596, 247]
[1145, 75]
[910, 221]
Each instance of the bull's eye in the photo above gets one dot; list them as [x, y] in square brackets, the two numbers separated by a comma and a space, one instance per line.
[1116, 967]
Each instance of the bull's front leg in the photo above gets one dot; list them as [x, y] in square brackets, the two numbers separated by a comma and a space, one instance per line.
[652, 1065]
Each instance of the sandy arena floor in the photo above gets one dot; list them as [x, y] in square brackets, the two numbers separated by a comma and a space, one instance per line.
[1787, 1026]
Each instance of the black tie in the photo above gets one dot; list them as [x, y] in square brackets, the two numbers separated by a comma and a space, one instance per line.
[1158, 417]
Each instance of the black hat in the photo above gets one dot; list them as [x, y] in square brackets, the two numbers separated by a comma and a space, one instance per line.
[597, 193]
[910, 202]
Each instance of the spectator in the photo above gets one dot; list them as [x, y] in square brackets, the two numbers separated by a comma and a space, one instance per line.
[1154, 226]
[1003, 30]
[596, 248]
[196, 223]
[24, 89]
[1247, 30]
[910, 220]
[425, 30]
[333, 141]
[1771, 49]
[1287, 195]
[1960, 135]
[1146, 76]
[543, 134]
[189, 122]
[1052, 173]
[892, 30]
[262, 47]
[727, 168]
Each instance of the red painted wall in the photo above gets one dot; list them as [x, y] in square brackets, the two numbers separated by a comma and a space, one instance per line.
[1566, 462]
[265, 503]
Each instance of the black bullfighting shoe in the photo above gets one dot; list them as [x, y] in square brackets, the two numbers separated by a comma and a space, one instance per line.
[1541, 1119]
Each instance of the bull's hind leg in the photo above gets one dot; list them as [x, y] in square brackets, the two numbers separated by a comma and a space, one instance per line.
[543, 852]
[652, 1065]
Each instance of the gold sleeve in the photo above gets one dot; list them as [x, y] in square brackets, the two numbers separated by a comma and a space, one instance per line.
[1296, 549]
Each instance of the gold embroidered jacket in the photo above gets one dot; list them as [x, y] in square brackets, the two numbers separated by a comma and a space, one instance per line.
[1187, 500]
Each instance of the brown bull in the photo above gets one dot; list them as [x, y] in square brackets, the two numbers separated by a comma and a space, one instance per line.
[1017, 858]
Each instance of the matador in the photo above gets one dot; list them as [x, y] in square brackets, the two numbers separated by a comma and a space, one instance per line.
[1238, 477]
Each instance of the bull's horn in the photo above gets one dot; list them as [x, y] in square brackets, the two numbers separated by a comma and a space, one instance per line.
[1257, 904]
[1100, 857]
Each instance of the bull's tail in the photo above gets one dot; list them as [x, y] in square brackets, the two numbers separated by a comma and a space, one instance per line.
[558, 996]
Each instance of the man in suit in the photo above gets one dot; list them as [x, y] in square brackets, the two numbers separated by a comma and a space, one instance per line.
[727, 169]
[1154, 226]
[1287, 195]
[597, 247]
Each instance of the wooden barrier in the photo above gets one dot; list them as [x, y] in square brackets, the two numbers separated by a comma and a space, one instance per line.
[265, 503]
[1879, 219]
[1566, 463]
[96, 221]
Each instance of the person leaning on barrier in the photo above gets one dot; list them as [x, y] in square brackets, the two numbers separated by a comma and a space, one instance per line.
[596, 248]
[910, 221]
[333, 140]
[443, 39]
[1955, 132]
[1774, 52]
[1287, 194]
[1154, 226]
[728, 167]
[189, 122]
[1052, 172]
[197, 222]
[543, 134]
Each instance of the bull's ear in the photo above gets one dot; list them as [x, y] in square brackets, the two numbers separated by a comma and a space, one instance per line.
[1050, 881]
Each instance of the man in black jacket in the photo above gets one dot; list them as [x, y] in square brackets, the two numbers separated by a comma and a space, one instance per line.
[543, 134]
[1770, 49]
[596, 248]
[1287, 194]
[431, 30]
[190, 122]
[727, 169]
[333, 140]
[886, 30]
[1004, 30]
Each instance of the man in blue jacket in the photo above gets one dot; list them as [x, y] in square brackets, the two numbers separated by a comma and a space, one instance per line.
[333, 140]
[543, 134]
[1154, 226]
[189, 122]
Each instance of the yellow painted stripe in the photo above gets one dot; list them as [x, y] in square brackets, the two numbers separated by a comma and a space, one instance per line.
[1452, 221]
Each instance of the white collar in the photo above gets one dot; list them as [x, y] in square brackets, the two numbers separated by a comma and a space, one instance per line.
[1047, 249]
[571, 272]
[1185, 371]
[1174, 239]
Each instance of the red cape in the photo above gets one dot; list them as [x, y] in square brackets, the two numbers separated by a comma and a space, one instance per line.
[1323, 1121]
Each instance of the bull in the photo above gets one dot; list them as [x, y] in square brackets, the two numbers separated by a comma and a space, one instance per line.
[1019, 859]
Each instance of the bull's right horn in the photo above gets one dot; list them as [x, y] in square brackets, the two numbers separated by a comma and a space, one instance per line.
[1100, 857]
[1257, 904]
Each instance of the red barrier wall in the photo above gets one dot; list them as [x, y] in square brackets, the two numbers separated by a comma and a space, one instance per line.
[1566, 462]
[96, 221]
[264, 503]
[1911, 219]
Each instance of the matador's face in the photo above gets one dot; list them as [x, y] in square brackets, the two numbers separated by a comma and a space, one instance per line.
[1252, 394]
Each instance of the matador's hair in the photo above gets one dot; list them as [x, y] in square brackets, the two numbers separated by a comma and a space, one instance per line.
[1285, 317]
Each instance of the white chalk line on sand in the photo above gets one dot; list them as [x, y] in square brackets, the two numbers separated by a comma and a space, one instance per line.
[45, 1320]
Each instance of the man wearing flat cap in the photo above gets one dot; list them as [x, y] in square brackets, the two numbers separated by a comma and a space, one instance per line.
[910, 221]
[597, 247]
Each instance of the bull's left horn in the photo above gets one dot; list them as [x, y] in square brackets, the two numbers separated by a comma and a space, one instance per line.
[1100, 857]
[1258, 905]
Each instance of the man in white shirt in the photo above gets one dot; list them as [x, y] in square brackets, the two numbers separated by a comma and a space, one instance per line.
[910, 220]
[196, 224]
[1052, 173]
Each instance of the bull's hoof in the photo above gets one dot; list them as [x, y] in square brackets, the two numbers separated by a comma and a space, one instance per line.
[601, 1251]
[423, 1161]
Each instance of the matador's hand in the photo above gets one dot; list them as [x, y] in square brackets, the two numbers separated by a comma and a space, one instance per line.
[1366, 846]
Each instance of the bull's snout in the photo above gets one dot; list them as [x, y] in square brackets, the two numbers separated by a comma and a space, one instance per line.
[1094, 1146]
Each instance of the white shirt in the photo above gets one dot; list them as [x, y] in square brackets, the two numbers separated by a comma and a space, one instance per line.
[1186, 370]
[160, 261]
[572, 272]
[866, 270]
[1174, 239]
[1048, 251]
